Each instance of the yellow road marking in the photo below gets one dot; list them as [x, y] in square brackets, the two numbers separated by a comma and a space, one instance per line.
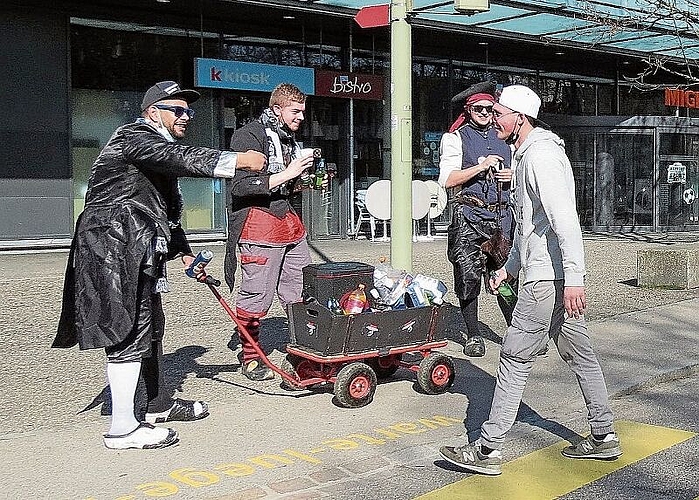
[546, 474]
[197, 477]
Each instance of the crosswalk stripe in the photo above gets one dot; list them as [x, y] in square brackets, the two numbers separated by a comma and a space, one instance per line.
[546, 474]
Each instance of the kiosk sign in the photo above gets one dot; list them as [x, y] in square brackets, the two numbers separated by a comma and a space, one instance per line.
[676, 173]
[237, 75]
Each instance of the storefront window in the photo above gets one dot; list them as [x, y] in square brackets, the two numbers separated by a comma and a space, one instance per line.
[679, 144]
[580, 149]
[631, 159]
[96, 114]
[678, 179]
[132, 60]
[285, 55]
[606, 100]
[613, 174]
[110, 71]
[634, 102]
[369, 143]
[371, 63]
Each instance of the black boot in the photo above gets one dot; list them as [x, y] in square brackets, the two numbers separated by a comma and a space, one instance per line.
[474, 345]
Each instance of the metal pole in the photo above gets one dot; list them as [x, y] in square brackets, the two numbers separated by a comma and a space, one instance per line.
[352, 193]
[401, 136]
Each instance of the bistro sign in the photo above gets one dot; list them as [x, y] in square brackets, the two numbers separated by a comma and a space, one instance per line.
[349, 85]
[681, 98]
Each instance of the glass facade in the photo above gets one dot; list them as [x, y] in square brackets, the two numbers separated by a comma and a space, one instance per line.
[110, 69]
[618, 171]
[634, 158]
[634, 177]
[678, 179]
[613, 173]
[105, 96]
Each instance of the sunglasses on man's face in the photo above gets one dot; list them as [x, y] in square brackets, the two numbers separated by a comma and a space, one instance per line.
[499, 114]
[477, 108]
[178, 110]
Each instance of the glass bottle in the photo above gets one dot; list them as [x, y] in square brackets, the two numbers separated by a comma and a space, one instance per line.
[505, 290]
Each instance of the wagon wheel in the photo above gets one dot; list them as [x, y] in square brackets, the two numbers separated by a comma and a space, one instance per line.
[436, 373]
[385, 366]
[355, 385]
[299, 368]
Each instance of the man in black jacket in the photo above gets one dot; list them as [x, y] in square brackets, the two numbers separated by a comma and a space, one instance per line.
[116, 269]
[263, 229]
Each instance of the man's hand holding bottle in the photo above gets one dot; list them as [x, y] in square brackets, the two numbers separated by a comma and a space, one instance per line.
[295, 168]
[496, 277]
[499, 285]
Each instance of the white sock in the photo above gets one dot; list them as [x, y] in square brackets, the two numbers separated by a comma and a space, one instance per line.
[123, 378]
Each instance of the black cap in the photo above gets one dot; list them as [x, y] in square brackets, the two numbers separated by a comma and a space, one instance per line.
[167, 90]
[476, 88]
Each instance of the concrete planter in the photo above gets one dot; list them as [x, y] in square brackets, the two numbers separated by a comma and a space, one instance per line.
[676, 267]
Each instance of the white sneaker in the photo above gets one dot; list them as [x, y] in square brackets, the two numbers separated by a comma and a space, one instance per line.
[143, 437]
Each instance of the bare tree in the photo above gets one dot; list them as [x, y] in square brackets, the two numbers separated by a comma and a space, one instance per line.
[678, 19]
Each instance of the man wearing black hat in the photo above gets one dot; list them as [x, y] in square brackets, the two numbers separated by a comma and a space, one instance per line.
[475, 161]
[116, 268]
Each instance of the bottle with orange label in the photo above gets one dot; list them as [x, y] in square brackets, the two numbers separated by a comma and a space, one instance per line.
[355, 301]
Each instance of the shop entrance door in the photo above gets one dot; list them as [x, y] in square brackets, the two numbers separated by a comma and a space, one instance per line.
[624, 178]
[677, 192]
[678, 180]
[326, 128]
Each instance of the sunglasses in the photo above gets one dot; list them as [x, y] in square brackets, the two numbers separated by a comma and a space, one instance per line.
[498, 114]
[178, 110]
[482, 109]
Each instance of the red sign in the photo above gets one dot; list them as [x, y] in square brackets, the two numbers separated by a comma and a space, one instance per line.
[349, 85]
[682, 98]
[372, 16]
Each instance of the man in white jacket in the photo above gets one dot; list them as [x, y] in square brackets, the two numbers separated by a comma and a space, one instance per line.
[548, 252]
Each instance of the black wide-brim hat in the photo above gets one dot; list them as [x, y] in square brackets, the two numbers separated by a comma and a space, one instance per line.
[476, 88]
[167, 90]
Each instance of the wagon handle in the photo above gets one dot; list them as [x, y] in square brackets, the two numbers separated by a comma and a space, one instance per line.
[208, 280]
[242, 330]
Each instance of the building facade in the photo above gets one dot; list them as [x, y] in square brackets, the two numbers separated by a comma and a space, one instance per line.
[76, 70]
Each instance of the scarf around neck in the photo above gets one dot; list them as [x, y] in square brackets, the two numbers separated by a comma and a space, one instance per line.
[281, 142]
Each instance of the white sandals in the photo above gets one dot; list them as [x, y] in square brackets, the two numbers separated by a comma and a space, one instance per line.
[143, 437]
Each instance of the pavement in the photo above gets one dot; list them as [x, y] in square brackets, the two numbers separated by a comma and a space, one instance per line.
[263, 442]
